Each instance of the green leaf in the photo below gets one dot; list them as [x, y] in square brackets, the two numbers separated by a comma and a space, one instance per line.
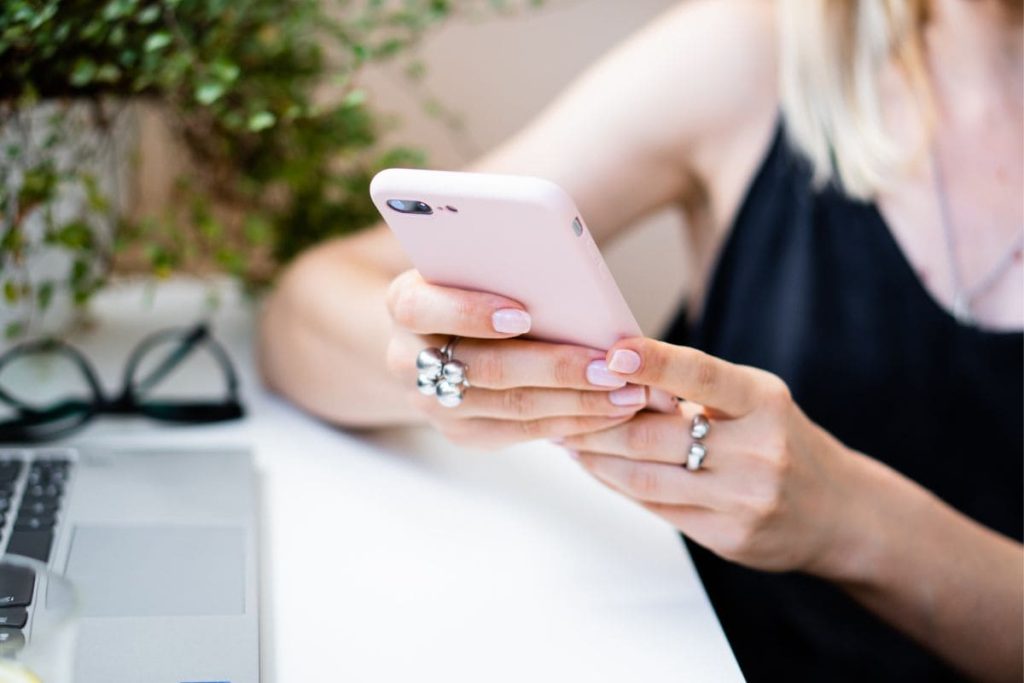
[261, 120]
[12, 292]
[44, 295]
[79, 273]
[83, 72]
[257, 230]
[209, 92]
[157, 41]
[108, 73]
[148, 15]
[354, 98]
[116, 9]
[75, 235]
[94, 196]
[225, 71]
[38, 185]
[13, 329]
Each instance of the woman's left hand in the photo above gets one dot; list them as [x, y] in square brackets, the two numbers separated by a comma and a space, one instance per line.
[772, 489]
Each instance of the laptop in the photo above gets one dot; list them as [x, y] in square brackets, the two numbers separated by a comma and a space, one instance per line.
[161, 547]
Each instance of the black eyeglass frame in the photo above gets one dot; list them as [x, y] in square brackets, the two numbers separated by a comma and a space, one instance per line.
[33, 424]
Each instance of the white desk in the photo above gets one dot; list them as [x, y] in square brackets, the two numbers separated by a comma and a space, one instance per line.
[398, 557]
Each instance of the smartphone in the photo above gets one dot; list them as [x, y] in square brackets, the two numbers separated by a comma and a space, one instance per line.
[516, 236]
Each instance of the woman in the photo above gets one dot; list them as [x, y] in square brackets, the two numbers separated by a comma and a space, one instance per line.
[857, 305]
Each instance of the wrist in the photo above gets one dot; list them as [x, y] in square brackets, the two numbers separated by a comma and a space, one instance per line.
[859, 534]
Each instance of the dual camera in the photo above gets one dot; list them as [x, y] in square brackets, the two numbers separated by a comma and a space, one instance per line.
[414, 206]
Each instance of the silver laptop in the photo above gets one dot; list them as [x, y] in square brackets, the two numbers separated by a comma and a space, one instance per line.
[160, 546]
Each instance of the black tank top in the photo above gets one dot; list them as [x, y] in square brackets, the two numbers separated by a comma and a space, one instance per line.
[811, 286]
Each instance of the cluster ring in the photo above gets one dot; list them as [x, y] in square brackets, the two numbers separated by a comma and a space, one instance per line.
[440, 375]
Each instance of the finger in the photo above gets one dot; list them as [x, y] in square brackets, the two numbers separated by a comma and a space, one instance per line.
[699, 524]
[505, 364]
[527, 403]
[424, 308]
[654, 437]
[491, 432]
[688, 373]
[525, 363]
[660, 401]
[653, 482]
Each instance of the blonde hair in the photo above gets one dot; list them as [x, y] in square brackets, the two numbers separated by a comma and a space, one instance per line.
[832, 57]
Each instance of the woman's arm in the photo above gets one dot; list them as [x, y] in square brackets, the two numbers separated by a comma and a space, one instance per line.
[620, 141]
[937, 575]
[778, 493]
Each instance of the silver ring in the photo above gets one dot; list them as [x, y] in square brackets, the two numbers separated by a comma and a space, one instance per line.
[440, 375]
[695, 456]
[700, 427]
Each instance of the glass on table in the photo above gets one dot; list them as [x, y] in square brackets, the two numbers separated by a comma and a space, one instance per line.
[37, 640]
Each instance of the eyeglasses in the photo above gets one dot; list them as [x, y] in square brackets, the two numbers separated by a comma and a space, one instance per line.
[148, 365]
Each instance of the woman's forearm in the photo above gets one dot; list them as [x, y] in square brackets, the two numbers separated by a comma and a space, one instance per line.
[952, 584]
[324, 334]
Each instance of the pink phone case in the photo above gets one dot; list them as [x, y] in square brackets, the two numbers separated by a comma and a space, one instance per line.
[517, 236]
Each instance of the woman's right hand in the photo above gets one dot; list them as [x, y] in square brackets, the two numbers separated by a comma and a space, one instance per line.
[521, 389]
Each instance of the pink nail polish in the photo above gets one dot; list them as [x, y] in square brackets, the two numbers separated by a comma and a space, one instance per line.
[628, 396]
[598, 375]
[575, 455]
[510, 321]
[625, 361]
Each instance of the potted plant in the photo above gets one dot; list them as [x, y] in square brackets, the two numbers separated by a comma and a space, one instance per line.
[260, 94]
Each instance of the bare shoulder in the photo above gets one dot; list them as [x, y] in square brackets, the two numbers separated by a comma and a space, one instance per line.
[653, 121]
[726, 87]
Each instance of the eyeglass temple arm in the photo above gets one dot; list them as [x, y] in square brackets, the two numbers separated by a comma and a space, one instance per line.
[194, 336]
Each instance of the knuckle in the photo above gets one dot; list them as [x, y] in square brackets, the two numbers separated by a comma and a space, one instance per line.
[448, 430]
[429, 407]
[764, 508]
[592, 402]
[530, 429]
[776, 451]
[518, 402]
[777, 395]
[489, 369]
[466, 309]
[566, 368]
[655, 364]
[704, 373]
[641, 437]
[738, 542]
[641, 481]
[401, 301]
[461, 432]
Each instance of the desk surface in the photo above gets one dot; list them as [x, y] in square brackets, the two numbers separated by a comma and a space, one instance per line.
[396, 556]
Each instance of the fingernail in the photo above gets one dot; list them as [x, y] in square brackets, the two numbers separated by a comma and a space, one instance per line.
[510, 321]
[597, 374]
[625, 361]
[575, 455]
[628, 396]
[557, 440]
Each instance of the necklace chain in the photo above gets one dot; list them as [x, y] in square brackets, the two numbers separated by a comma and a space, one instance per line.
[964, 297]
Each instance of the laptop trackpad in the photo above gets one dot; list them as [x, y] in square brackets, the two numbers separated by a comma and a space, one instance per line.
[151, 571]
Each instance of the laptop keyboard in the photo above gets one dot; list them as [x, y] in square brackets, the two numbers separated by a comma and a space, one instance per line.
[32, 487]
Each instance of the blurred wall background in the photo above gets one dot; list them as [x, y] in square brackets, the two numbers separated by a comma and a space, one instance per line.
[534, 55]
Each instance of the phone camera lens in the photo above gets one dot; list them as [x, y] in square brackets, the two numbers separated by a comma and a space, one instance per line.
[410, 206]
